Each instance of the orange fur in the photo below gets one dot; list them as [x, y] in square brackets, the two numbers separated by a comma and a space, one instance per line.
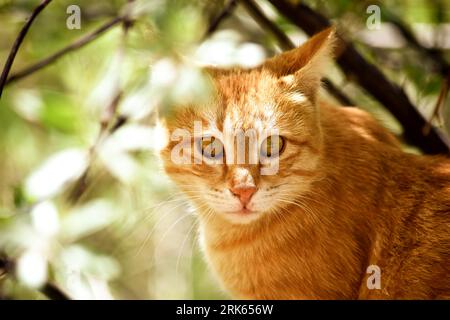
[345, 196]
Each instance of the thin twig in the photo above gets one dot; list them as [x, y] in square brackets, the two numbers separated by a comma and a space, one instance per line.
[434, 55]
[258, 15]
[217, 20]
[440, 102]
[286, 44]
[77, 44]
[18, 42]
[109, 120]
[107, 128]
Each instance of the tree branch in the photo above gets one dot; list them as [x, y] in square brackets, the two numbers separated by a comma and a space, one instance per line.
[286, 44]
[216, 21]
[77, 44]
[110, 121]
[18, 42]
[433, 55]
[371, 79]
[3, 264]
[338, 94]
[265, 23]
[48, 289]
[53, 292]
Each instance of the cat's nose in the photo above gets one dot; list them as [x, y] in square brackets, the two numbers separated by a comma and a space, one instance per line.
[243, 193]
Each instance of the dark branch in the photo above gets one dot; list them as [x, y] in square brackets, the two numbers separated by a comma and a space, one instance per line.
[3, 265]
[217, 20]
[440, 102]
[434, 55]
[255, 11]
[338, 94]
[79, 43]
[287, 44]
[48, 289]
[371, 79]
[18, 42]
[53, 292]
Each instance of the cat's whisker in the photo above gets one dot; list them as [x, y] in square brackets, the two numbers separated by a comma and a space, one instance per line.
[209, 214]
[149, 235]
[194, 224]
[171, 227]
[307, 197]
[147, 217]
[153, 208]
[301, 205]
[276, 213]
[184, 202]
[174, 224]
[153, 261]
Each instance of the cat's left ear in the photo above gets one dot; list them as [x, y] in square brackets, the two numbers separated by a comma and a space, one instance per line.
[303, 67]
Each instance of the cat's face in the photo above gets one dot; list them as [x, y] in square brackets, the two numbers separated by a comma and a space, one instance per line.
[255, 147]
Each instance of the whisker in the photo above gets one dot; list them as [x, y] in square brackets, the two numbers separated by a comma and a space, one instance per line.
[148, 236]
[182, 246]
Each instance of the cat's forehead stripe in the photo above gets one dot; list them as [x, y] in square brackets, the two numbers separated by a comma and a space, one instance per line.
[235, 121]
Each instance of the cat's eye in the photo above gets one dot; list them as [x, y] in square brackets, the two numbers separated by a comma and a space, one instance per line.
[211, 147]
[272, 146]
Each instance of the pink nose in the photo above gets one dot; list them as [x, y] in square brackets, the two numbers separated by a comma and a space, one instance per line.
[243, 193]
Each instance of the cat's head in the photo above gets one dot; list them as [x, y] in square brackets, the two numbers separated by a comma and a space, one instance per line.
[256, 146]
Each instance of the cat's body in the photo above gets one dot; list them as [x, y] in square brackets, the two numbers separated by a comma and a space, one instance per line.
[346, 196]
[391, 210]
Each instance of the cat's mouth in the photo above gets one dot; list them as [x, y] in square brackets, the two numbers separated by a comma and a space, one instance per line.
[242, 216]
[244, 211]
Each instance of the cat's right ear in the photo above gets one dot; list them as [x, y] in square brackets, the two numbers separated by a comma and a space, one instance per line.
[304, 66]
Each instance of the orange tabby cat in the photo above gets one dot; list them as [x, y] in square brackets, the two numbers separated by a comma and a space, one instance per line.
[344, 196]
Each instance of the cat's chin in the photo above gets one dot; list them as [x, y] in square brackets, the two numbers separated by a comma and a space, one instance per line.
[243, 216]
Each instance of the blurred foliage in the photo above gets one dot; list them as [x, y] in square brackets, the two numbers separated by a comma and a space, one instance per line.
[131, 234]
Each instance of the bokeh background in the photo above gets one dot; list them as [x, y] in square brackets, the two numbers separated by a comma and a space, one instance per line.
[84, 204]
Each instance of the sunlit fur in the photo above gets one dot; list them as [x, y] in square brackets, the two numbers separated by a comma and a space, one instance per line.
[345, 195]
